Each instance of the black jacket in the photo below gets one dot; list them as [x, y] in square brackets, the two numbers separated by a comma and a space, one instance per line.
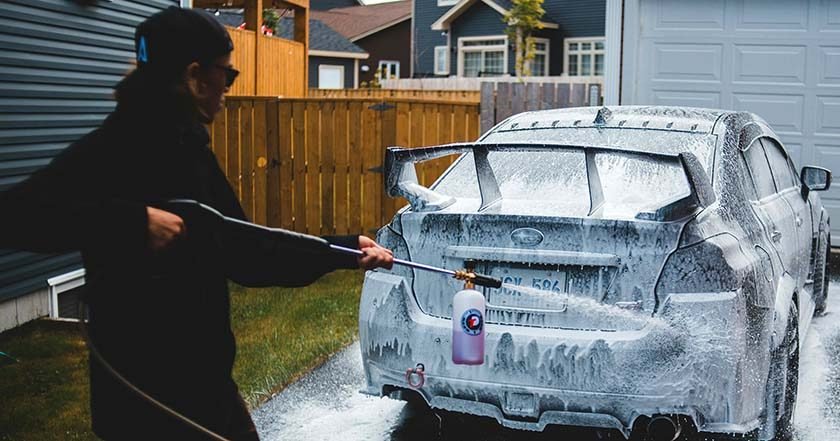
[162, 320]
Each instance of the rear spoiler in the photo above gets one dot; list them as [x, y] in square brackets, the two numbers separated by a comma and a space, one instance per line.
[401, 175]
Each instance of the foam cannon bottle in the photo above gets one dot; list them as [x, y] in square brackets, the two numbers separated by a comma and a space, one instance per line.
[468, 325]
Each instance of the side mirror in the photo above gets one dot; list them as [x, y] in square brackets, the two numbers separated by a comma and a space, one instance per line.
[815, 178]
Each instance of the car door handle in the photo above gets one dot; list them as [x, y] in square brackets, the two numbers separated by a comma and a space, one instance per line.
[798, 221]
[776, 236]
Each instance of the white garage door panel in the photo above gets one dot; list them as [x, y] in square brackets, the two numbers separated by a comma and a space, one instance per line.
[698, 62]
[691, 14]
[754, 63]
[781, 15]
[779, 59]
[829, 67]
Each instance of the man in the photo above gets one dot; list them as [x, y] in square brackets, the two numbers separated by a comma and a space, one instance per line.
[157, 285]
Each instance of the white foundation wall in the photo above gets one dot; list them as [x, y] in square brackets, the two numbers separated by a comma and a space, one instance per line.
[17, 311]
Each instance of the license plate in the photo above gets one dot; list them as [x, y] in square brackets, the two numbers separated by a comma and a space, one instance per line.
[523, 404]
[547, 287]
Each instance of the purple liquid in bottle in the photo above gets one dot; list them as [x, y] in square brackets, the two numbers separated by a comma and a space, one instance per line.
[468, 327]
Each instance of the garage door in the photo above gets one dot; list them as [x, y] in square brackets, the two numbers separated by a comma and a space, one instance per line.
[59, 60]
[777, 58]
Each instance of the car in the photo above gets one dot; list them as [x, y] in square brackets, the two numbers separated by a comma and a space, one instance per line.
[661, 267]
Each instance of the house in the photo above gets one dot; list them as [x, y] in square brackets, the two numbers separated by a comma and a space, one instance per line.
[466, 38]
[333, 59]
[778, 59]
[382, 30]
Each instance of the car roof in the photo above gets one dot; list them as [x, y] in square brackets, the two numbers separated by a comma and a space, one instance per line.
[670, 118]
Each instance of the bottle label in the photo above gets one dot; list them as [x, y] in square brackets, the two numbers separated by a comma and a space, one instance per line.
[472, 322]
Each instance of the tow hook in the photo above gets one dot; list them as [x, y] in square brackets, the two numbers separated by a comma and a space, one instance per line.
[415, 376]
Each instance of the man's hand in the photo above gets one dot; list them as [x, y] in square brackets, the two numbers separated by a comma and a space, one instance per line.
[375, 255]
[164, 228]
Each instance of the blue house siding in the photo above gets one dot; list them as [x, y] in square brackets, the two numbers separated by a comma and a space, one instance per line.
[427, 12]
[575, 18]
[480, 20]
[314, 62]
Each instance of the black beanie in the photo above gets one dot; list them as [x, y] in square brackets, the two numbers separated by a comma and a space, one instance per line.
[173, 38]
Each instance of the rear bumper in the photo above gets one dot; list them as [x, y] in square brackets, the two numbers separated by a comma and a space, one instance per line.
[688, 362]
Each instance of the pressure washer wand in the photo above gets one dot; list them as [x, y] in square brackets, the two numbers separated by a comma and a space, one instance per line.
[478, 279]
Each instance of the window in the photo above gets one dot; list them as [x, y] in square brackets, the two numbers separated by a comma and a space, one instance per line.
[555, 182]
[446, 2]
[584, 56]
[783, 174]
[482, 56]
[759, 170]
[389, 70]
[330, 77]
[441, 60]
[539, 65]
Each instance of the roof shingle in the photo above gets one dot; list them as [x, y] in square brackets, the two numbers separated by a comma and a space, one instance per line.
[354, 21]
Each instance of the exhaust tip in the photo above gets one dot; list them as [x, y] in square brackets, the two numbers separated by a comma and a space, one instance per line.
[664, 428]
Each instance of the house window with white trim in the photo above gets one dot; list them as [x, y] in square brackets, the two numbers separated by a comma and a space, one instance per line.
[482, 56]
[389, 70]
[584, 56]
[441, 60]
[539, 65]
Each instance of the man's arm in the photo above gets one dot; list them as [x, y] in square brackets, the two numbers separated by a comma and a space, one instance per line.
[65, 207]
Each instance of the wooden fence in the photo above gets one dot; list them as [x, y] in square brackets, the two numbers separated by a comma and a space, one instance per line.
[315, 165]
[459, 96]
[502, 100]
[268, 66]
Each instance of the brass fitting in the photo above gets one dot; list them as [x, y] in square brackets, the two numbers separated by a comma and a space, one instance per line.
[467, 276]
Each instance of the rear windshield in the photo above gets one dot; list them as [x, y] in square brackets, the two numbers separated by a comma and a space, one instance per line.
[555, 182]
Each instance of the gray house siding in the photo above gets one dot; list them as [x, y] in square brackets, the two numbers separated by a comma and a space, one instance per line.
[348, 64]
[575, 18]
[58, 64]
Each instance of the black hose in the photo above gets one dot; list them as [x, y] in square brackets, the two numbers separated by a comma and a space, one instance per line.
[94, 352]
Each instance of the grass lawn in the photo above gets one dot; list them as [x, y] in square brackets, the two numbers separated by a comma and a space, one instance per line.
[281, 333]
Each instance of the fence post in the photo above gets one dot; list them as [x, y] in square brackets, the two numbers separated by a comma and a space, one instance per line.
[488, 106]
[595, 94]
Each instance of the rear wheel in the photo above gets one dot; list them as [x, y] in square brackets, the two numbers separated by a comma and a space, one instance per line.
[821, 275]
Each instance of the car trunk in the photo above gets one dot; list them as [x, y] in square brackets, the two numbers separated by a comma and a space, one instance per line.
[585, 273]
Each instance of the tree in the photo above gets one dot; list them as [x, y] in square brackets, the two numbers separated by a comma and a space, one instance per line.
[522, 20]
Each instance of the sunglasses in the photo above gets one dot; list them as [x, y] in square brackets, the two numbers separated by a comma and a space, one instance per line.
[230, 74]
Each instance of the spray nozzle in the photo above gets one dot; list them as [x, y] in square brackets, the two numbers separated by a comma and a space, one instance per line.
[471, 277]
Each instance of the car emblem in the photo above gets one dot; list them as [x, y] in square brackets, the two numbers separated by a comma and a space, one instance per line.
[526, 237]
